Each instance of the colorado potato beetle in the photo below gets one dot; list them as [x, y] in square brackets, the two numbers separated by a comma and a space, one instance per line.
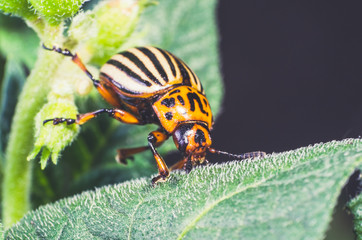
[150, 85]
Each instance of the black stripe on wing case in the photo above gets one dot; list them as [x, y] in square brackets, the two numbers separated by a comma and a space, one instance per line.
[133, 58]
[193, 75]
[129, 72]
[115, 83]
[155, 62]
[185, 75]
[170, 63]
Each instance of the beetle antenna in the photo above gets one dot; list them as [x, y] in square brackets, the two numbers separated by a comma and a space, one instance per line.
[75, 58]
[239, 156]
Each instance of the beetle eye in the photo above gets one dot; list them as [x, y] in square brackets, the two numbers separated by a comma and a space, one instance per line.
[200, 137]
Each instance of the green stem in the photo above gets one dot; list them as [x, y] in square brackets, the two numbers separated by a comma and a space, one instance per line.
[18, 171]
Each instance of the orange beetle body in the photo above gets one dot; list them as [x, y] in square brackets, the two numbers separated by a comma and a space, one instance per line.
[182, 104]
[150, 85]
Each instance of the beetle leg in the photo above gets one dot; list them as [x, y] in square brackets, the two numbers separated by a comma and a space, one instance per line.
[102, 87]
[123, 154]
[179, 165]
[75, 58]
[118, 114]
[155, 138]
[186, 164]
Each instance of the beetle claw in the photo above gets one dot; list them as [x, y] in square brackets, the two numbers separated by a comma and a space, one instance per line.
[158, 179]
[45, 121]
[122, 159]
[56, 121]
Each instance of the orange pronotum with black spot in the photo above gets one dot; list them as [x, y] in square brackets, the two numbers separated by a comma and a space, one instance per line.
[150, 85]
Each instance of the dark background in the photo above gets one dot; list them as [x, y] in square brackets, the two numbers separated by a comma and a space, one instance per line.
[292, 72]
[293, 77]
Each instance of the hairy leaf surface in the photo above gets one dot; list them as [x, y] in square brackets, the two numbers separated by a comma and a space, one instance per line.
[290, 195]
[356, 208]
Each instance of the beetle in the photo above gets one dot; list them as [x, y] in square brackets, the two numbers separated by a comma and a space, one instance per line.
[148, 85]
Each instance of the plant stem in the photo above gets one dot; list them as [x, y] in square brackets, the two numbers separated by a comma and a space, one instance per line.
[18, 171]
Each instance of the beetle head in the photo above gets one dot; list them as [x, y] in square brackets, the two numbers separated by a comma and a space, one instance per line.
[193, 139]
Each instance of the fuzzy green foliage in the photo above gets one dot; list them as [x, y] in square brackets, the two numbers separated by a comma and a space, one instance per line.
[51, 140]
[289, 195]
[17, 175]
[20, 8]
[106, 27]
[54, 11]
[355, 207]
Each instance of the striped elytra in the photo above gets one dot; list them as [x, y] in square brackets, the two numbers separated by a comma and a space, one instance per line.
[143, 71]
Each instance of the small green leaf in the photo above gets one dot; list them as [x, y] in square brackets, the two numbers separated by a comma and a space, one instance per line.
[55, 11]
[19, 8]
[355, 205]
[289, 195]
[50, 139]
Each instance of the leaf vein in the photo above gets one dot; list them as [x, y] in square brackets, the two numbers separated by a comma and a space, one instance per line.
[132, 218]
[215, 203]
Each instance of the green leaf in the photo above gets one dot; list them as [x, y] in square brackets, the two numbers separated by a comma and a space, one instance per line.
[112, 173]
[289, 195]
[355, 205]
